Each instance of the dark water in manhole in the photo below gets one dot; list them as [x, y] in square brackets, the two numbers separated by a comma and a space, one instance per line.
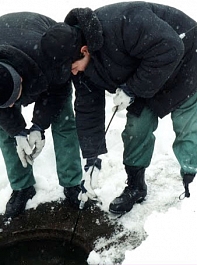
[42, 252]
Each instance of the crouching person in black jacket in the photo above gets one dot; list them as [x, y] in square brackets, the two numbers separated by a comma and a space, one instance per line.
[27, 77]
[145, 54]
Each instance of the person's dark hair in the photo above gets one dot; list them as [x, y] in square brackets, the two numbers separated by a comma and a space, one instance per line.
[61, 43]
[9, 85]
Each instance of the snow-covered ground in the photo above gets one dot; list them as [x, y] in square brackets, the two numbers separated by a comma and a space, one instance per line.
[168, 225]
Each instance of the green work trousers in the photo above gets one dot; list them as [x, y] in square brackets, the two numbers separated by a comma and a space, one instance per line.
[139, 139]
[66, 148]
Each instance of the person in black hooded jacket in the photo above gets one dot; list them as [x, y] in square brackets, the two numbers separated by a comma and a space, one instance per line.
[145, 53]
[26, 77]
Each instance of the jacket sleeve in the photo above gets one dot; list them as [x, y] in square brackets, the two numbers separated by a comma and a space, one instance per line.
[49, 104]
[90, 117]
[12, 121]
[158, 48]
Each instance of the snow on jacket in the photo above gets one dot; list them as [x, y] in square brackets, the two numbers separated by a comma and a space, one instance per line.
[137, 43]
[43, 83]
[140, 45]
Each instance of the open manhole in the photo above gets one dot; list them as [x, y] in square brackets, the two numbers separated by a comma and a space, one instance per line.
[42, 236]
[42, 252]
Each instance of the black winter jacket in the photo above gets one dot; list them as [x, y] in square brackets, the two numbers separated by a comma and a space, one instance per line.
[137, 43]
[43, 82]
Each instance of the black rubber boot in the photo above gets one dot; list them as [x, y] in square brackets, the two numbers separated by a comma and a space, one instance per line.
[71, 194]
[18, 200]
[135, 192]
[187, 179]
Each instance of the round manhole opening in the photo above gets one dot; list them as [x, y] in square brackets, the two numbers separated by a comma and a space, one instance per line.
[42, 252]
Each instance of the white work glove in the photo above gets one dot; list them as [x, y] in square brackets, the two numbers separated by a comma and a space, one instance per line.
[89, 181]
[23, 148]
[36, 140]
[121, 99]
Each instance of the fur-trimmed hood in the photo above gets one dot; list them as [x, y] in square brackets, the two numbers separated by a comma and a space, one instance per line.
[34, 81]
[88, 22]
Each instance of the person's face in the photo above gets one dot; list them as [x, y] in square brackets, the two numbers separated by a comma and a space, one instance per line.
[81, 64]
[19, 94]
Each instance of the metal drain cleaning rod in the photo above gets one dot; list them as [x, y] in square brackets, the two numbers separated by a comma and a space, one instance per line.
[82, 203]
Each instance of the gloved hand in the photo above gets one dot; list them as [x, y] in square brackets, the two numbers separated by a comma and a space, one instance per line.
[89, 180]
[23, 148]
[123, 98]
[36, 140]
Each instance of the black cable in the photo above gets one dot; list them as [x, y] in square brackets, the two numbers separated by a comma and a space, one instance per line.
[82, 203]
